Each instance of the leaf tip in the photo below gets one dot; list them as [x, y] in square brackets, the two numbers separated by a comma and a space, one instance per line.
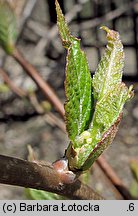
[105, 28]
[111, 34]
[8, 32]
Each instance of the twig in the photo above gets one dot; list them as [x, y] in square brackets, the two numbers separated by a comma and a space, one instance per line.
[45, 41]
[107, 181]
[11, 85]
[108, 16]
[110, 173]
[43, 177]
[33, 99]
[44, 86]
[27, 11]
[47, 90]
[54, 120]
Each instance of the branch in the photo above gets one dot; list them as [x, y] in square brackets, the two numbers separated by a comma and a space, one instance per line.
[42, 177]
[44, 86]
[107, 17]
[49, 36]
[110, 173]
[11, 85]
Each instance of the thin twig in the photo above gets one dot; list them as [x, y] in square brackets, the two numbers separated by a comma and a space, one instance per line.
[42, 177]
[45, 41]
[11, 85]
[110, 173]
[54, 120]
[107, 181]
[44, 86]
[27, 11]
[47, 90]
[107, 17]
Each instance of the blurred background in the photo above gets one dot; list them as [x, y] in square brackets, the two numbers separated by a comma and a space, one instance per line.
[21, 121]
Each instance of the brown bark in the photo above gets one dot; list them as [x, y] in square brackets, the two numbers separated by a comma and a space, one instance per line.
[27, 174]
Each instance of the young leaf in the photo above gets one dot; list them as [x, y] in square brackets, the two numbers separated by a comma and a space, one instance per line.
[109, 71]
[104, 126]
[63, 27]
[108, 106]
[91, 129]
[34, 194]
[107, 110]
[82, 158]
[103, 144]
[133, 190]
[78, 107]
[7, 27]
[134, 185]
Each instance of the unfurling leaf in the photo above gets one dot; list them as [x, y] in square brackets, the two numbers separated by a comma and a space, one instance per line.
[109, 71]
[34, 194]
[79, 103]
[7, 27]
[78, 92]
[93, 107]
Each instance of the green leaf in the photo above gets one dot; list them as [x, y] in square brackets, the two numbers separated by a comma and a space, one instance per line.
[107, 111]
[78, 107]
[63, 27]
[134, 185]
[7, 27]
[92, 125]
[82, 158]
[41, 195]
[106, 114]
[134, 169]
[108, 106]
[109, 71]
[79, 103]
[103, 144]
[134, 189]
[4, 88]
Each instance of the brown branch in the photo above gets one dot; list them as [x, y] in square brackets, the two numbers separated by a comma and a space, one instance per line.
[53, 32]
[116, 181]
[23, 173]
[11, 85]
[44, 86]
[106, 181]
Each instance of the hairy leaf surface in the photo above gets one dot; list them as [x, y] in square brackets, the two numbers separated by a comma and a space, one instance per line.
[78, 107]
[108, 109]
[109, 71]
[92, 125]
